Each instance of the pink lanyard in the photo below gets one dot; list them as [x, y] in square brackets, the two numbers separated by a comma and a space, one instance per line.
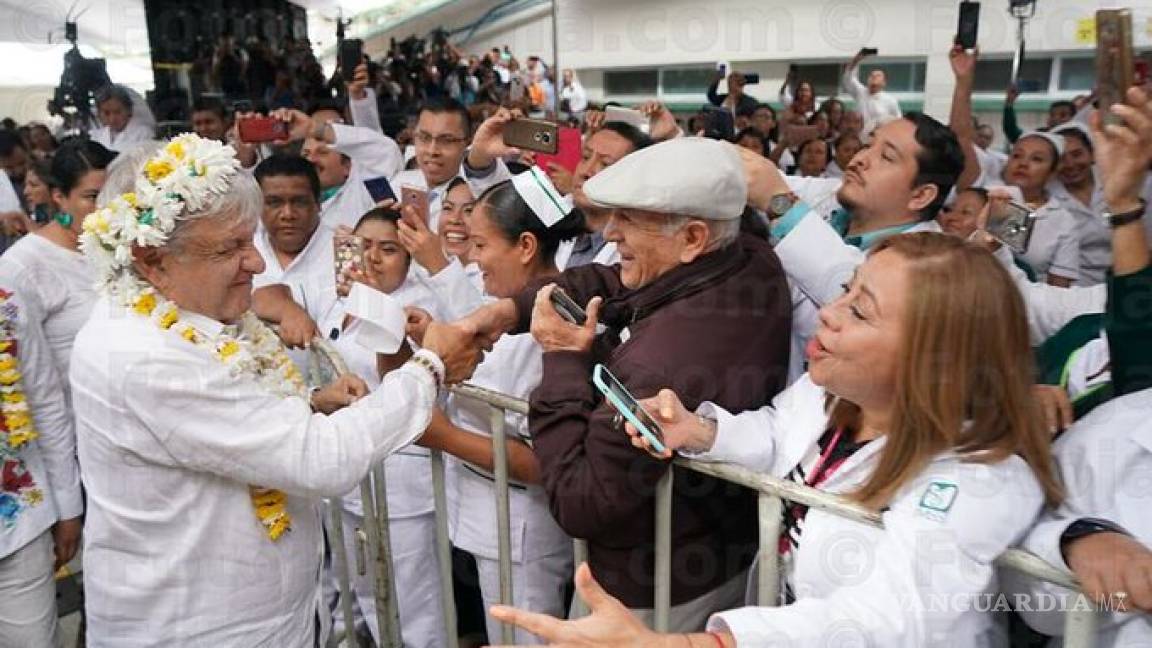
[816, 475]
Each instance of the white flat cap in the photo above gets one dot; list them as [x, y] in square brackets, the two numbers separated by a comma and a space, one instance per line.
[1056, 141]
[688, 176]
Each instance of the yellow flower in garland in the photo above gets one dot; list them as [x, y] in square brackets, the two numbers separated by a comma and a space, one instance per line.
[270, 509]
[145, 304]
[16, 425]
[175, 148]
[158, 169]
[170, 317]
[189, 334]
[228, 349]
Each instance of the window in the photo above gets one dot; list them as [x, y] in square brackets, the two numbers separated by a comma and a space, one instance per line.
[824, 77]
[1077, 73]
[993, 76]
[632, 82]
[682, 81]
[902, 76]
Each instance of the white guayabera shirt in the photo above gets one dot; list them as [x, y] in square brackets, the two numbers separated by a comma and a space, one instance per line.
[169, 441]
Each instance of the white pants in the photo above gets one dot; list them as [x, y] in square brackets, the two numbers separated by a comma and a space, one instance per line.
[537, 586]
[417, 576]
[28, 597]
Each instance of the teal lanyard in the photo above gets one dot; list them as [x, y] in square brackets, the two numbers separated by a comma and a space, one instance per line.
[840, 219]
[327, 194]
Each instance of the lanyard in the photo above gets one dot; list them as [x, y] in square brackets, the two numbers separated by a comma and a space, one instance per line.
[817, 474]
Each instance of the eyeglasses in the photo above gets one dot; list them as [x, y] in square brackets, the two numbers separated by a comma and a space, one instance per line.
[441, 140]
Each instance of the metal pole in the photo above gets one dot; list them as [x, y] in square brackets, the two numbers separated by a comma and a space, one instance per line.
[503, 515]
[662, 601]
[579, 555]
[444, 548]
[340, 554]
[557, 74]
[1080, 624]
[387, 614]
[771, 509]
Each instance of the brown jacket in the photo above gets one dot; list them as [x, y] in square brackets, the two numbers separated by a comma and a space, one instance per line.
[715, 330]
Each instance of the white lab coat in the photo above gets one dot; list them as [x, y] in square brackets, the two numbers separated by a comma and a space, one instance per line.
[168, 442]
[373, 155]
[1050, 307]
[459, 289]
[914, 583]
[876, 109]
[541, 551]
[411, 507]
[1104, 461]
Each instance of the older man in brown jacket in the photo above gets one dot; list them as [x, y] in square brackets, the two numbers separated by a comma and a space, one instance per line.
[694, 306]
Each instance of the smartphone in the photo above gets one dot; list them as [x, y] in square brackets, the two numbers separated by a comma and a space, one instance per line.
[416, 197]
[348, 258]
[968, 26]
[532, 134]
[627, 116]
[379, 189]
[1115, 71]
[797, 135]
[869, 51]
[751, 78]
[567, 307]
[626, 405]
[351, 55]
[261, 129]
[1012, 225]
[568, 153]
[722, 68]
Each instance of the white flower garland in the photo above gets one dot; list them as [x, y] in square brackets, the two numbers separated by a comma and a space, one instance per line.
[185, 177]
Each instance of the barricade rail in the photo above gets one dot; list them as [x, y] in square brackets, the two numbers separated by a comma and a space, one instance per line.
[1079, 626]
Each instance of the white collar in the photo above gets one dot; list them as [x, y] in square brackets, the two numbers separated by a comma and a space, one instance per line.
[209, 327]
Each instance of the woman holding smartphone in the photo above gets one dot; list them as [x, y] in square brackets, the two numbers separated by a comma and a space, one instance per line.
[515, 228]
[411, 507]
[909, 409]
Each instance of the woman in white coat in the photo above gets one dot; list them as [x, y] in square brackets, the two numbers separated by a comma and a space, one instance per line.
[515, 228]
[909, 409]
[411, 507]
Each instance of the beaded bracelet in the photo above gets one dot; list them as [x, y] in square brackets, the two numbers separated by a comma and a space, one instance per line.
[422, 361]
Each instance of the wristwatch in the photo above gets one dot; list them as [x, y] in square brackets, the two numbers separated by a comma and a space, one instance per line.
[1086, 527]
[1123, 218]
[780, 204]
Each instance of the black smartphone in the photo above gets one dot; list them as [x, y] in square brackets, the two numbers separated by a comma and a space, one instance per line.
[869, 51]
[351, 55]
[379, 189]
[968, 26]
[751, 78]
[567, 307]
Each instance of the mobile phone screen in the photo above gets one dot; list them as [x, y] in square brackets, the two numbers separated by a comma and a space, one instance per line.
[624, 403]
[379, 189]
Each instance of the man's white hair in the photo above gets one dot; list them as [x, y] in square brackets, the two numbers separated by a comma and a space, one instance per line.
[243, 202]
[720, 232]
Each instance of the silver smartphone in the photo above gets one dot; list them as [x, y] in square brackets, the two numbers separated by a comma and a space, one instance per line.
[1012, 223]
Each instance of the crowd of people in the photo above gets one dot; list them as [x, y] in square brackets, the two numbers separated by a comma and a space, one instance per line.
[821, 295]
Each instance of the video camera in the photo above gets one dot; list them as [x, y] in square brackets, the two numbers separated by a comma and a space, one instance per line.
[75, 97]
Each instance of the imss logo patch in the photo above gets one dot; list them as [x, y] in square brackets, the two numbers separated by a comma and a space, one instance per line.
[938, 499]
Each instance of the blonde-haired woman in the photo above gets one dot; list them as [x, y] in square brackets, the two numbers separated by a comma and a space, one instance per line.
[910, 409]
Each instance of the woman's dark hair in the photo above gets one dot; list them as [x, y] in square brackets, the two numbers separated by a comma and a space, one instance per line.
[513, 217]
[379, 214]
[1079, 136]
[979, 191]
[43, 170]
[76, 158]
[456, 182]
[939, 162]
[752, 132]
[117, 92]
[635, 136]
[827, 149]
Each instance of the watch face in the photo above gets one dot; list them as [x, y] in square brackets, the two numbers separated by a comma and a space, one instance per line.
[780, 204]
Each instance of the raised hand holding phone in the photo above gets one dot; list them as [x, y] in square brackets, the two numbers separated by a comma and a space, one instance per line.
[681, 429]
[553, 333]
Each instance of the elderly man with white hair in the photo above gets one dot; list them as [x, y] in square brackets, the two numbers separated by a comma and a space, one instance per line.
[692, 303]
[203, 452]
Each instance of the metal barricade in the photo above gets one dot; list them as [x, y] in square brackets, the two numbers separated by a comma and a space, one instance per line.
[371, 541]
[1080, 622]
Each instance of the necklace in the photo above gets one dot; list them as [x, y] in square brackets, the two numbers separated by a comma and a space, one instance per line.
[256, 352]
